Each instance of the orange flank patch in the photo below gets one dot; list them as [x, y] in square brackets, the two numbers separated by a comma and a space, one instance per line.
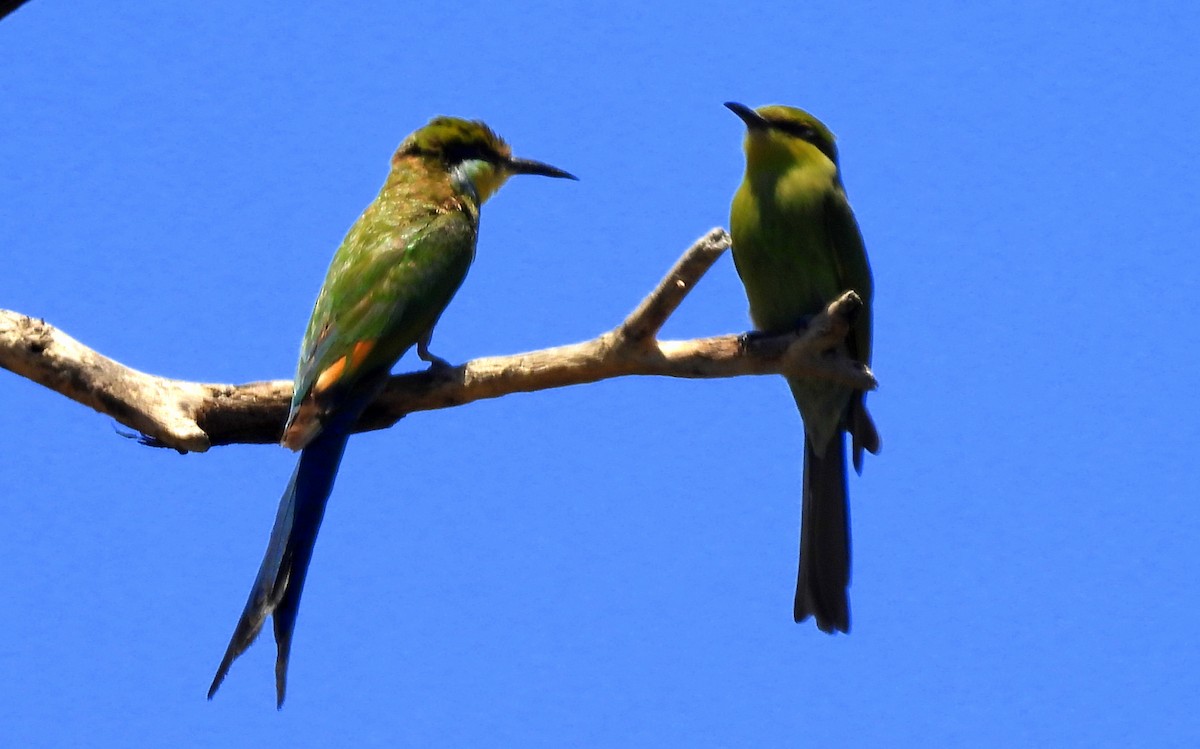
[331, 375]
[361, 349]
[343, 365]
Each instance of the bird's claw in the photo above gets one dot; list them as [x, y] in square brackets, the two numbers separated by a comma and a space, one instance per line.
[745, 340]
[437, 364]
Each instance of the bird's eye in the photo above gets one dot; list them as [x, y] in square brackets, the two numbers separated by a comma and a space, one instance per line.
[803, 132]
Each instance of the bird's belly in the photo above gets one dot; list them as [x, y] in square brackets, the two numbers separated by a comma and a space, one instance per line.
[786, 279]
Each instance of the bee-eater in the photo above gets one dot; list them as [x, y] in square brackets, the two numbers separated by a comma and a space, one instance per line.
[797, 247]
[395, 272]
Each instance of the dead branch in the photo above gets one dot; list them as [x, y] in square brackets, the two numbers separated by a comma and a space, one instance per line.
[192, 416]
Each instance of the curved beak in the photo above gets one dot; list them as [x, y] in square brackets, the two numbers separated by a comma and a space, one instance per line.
[753, 120]
[529, 166]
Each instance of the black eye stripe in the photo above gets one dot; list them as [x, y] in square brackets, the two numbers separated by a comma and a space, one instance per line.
[799, 130]
[466, 152]
[808, 134]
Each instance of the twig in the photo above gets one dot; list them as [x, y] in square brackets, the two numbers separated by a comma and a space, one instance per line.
[652, 313]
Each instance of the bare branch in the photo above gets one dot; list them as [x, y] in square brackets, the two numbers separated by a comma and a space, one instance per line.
[652, 313]
[194, 416]
[152, 405]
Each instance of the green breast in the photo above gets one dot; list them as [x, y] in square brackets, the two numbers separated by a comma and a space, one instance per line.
[783, 251]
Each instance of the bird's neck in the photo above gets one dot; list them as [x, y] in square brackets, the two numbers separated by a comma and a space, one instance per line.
[479, 177]
[421, 179]
[786, 177]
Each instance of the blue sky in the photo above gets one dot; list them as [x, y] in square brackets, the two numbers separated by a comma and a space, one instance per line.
[612, 565]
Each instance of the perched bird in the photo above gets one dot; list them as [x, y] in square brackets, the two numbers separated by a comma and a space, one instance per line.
[797, 247]
[395, 272]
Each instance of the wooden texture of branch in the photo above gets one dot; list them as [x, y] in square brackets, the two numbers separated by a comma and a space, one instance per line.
[192, 416]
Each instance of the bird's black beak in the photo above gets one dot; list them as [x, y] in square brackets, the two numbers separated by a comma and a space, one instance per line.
[529, 166]
[753, 120]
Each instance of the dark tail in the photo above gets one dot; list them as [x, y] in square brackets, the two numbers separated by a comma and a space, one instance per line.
[863, 434]
[824, 539]
[280, 580]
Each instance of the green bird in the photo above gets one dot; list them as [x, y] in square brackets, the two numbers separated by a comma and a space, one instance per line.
[797, 247]
[395, 272]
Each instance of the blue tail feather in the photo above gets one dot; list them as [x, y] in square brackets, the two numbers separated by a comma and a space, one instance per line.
[280, 581]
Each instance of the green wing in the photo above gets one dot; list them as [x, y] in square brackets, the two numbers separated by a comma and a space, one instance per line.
[850, 256]
[386, 287]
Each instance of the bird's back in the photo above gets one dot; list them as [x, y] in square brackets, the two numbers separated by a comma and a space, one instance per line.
[393, 275]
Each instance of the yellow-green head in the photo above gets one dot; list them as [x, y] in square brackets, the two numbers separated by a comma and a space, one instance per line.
[778, 136]
[472, 154]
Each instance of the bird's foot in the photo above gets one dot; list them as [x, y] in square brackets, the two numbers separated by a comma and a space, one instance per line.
[748, 339]
[436, 363]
